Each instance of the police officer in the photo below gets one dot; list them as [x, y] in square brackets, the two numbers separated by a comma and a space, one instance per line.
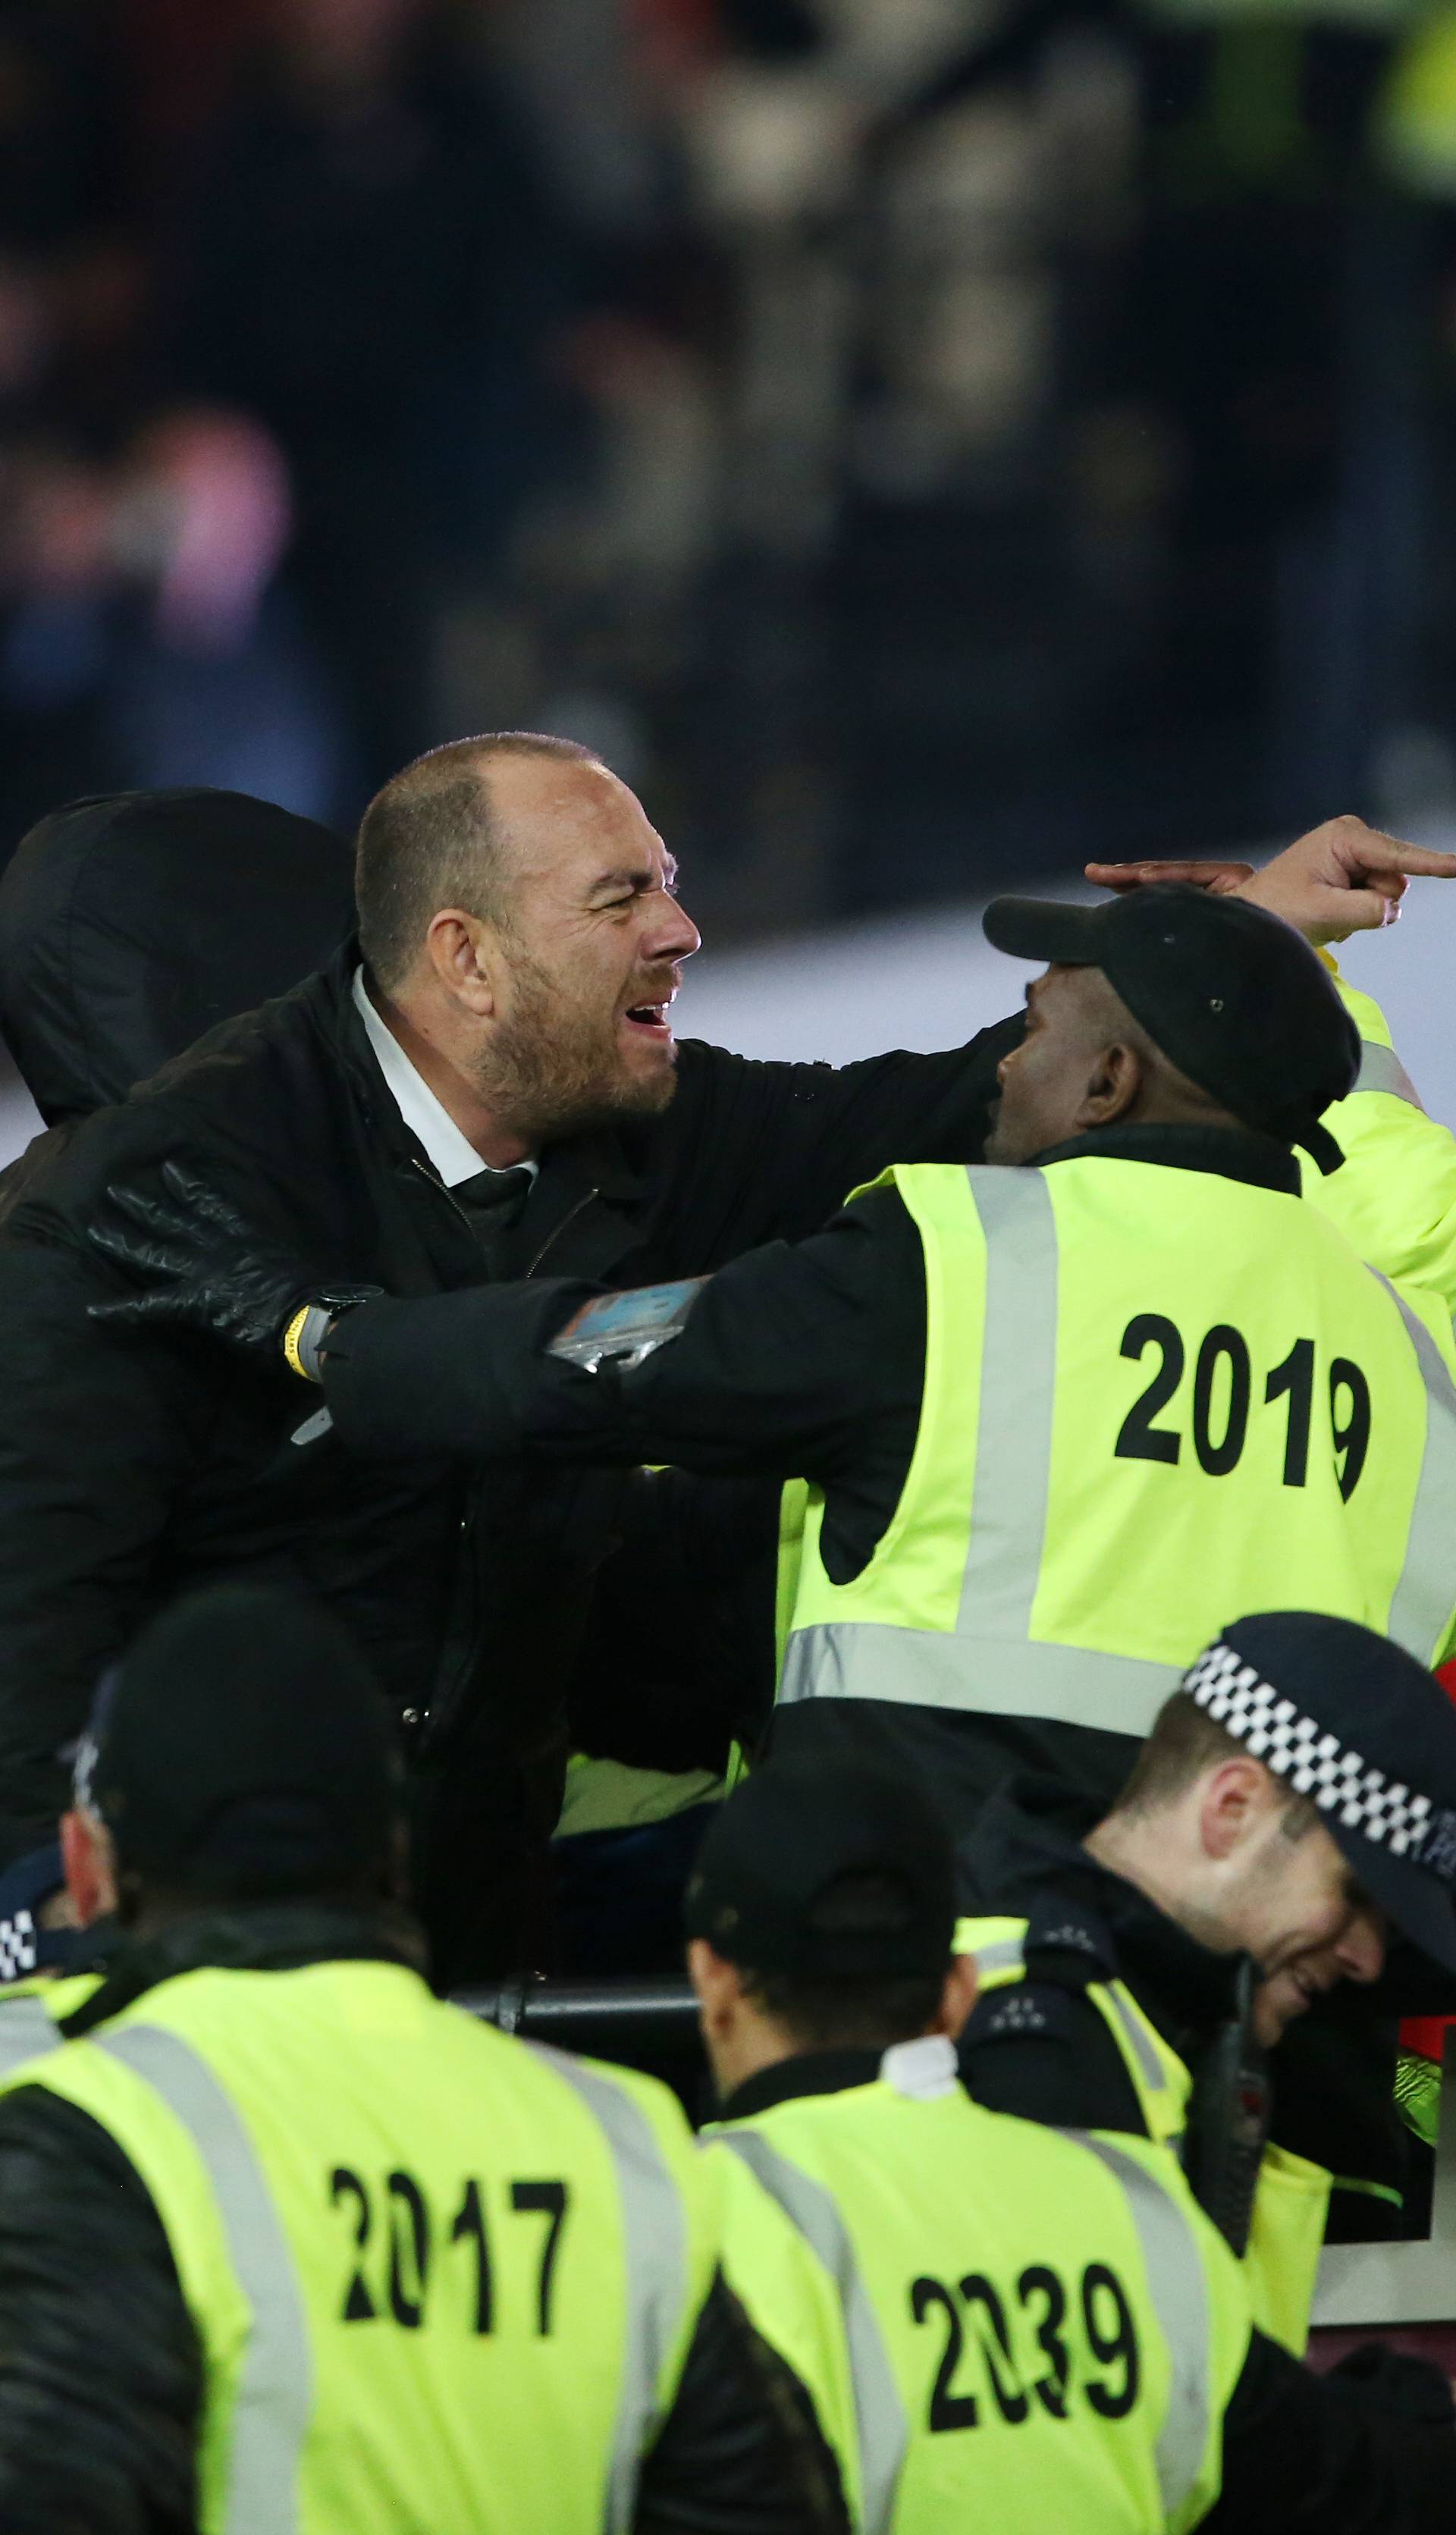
[285, 2242]
[1294, 1807]
[48, 1955]
[1002, 2327]
[1061, 1418]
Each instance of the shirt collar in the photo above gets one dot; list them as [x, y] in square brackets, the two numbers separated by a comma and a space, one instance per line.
[1230, 1152]
[451, 1155]
[804, 2072]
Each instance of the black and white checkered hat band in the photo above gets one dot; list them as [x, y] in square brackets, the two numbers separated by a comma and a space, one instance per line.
[1318, 1766]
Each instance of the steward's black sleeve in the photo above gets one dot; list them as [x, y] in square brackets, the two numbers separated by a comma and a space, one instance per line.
[1044, 2053]
[766, 1151]
[803, 1362]
[1370, 2450]
[741, 2453]
[100, 2374]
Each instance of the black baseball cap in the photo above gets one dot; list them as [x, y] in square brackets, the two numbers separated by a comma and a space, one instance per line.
[828, 1873]
[1355, 1723]
[242, 1749]
[1232, 996]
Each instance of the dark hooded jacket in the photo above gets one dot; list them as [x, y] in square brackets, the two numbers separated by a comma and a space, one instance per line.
[133, 1467]
[133, 922]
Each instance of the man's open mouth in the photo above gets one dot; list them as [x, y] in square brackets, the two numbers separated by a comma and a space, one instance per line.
[651, 1018]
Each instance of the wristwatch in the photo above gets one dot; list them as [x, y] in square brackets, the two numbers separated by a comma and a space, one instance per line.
[311, 1322]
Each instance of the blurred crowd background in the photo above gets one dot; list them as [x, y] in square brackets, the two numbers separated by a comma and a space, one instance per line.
[914, 440]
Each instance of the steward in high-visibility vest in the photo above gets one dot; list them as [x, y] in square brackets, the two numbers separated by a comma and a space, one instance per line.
[1060, 1419]
[1109, 1949]
[1000, 2325]
[302, 2247]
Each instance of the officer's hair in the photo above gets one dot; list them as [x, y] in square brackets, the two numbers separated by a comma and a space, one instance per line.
[1184, 1744]
[432, 839]
[847, 2014]
[847, 2011]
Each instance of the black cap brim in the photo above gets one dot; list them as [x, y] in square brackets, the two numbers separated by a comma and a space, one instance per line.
[1415, 1901]
[1045, 928]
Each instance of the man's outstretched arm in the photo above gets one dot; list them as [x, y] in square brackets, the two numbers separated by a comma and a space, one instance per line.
[803, 1361]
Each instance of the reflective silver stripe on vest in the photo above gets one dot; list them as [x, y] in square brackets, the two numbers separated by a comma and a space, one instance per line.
[1018, 1390]
[1380, 1070]
[879, 2413]
[1178, 2285]
[991, 1665]
[1006, 1954]
[274, 2387]
[655, 2244]
[1422, 1602]
[1154, 2076]
[25, 2029]
[981, 1676]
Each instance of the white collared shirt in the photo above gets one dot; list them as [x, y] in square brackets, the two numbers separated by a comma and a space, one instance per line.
[451, 1154]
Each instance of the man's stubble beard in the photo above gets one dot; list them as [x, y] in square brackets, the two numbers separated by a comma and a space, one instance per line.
[551, 1072]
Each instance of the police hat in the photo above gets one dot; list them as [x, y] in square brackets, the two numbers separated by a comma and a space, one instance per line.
[1352, 1721]
[1232, 996]
[828, 1873]
[241, 1749]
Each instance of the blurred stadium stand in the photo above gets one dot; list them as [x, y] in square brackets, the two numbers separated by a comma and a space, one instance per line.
[918, 443]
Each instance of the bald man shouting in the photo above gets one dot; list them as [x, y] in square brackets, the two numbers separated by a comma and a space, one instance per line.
[484, 1084]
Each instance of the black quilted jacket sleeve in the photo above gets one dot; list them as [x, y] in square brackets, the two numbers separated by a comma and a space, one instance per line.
[100, 2374]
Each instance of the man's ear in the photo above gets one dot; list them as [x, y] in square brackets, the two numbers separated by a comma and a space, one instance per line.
[958, 1996]
[1114, 1086]
[462, 950]
[1233, 1796]
[717, 1982]
[89, 1864]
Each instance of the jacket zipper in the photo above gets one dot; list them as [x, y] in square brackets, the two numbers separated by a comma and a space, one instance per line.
[421, 1718]
[567, 1219]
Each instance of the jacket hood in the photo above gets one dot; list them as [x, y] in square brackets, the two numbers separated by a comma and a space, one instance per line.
[132, 922]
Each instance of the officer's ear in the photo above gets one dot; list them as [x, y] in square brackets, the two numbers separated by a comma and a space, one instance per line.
[88, 1862]
[958, 1996]
[1232, 1800]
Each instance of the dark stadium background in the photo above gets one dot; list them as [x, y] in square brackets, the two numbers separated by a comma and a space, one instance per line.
[922, 442]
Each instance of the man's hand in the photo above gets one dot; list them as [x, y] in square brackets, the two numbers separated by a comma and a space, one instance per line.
[1343, 878]
[203, 1266]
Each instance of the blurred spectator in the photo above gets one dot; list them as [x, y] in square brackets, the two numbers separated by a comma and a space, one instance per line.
[143, 638]
[374, 267]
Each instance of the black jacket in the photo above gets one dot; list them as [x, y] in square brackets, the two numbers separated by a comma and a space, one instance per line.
[1368, 2450]
[1042, 2048]
[103, 2383]
[131, 1467]
[133, 922]
[807, 1363]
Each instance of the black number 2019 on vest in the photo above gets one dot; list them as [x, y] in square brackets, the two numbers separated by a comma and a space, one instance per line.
[1223, 1391]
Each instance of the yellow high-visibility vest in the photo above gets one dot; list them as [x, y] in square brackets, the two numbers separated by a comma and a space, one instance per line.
[1153, 1397]
[443, 2282]
[1000, 2325]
